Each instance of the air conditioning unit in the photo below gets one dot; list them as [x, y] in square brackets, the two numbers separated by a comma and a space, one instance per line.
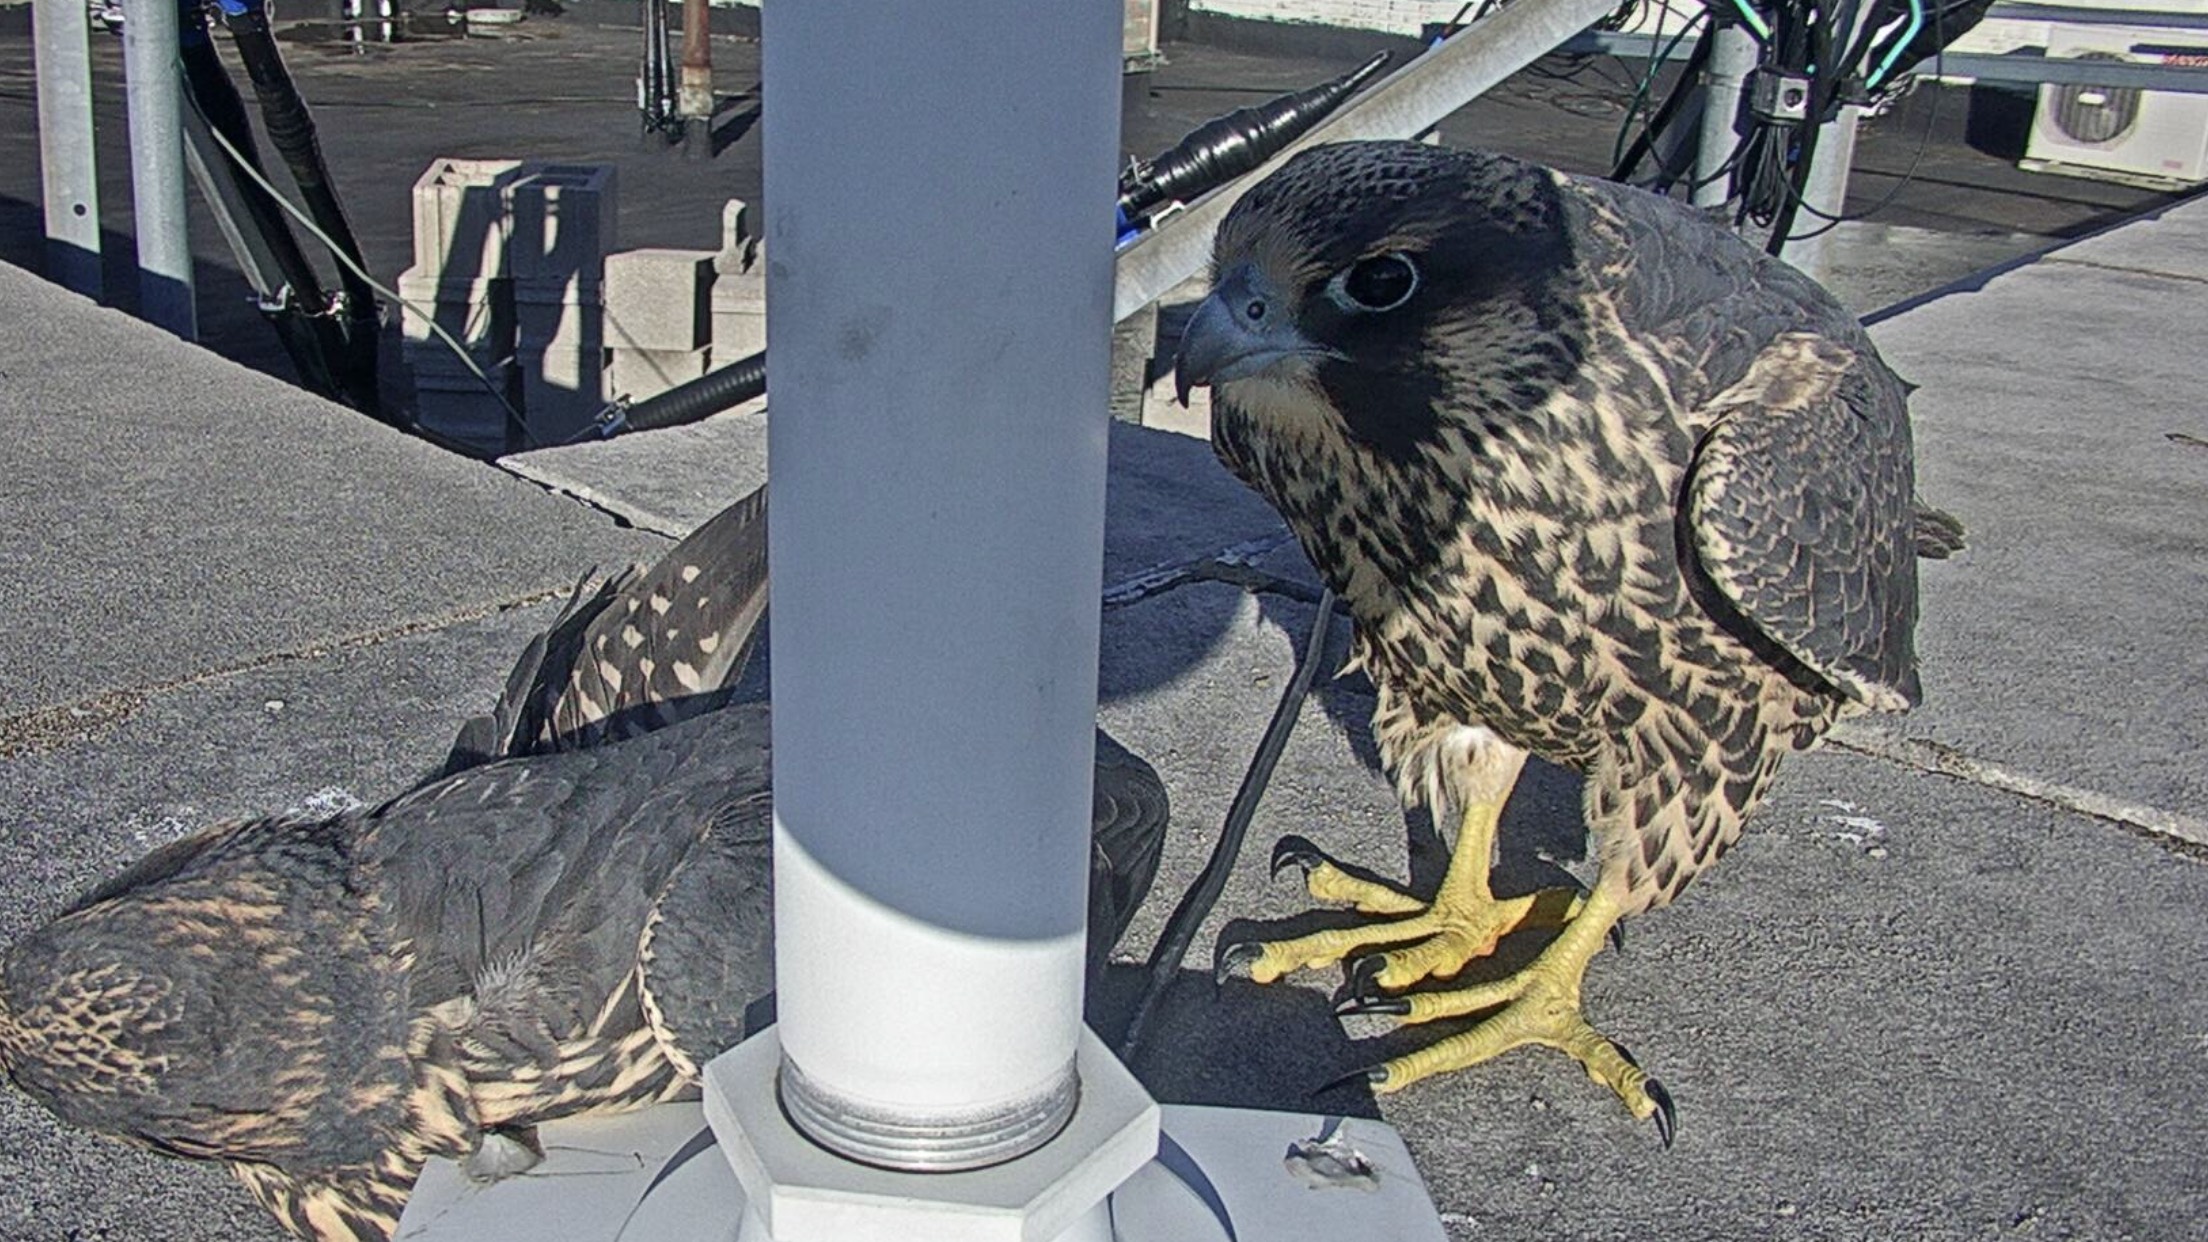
[2122, 133]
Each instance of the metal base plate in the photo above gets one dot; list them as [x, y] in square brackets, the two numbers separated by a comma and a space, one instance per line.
[1221, 1173]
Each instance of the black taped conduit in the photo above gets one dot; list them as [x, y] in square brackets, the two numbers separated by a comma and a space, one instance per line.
[299, 312]
[291, 130]
[707, 395]
[1223, 148]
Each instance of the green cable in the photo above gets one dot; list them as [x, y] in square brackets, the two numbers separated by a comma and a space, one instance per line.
[1648, 79]
[1916, 23]
[1754, 21]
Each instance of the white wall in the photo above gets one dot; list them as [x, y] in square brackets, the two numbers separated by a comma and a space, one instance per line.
[1392, 16]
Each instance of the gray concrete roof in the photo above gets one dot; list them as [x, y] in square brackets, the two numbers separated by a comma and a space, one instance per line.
[1945, 988]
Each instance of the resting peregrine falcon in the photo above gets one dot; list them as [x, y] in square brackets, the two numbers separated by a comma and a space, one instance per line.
[1597, 482]
[569, 918]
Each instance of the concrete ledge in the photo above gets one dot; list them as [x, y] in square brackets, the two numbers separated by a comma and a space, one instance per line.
[172, 513]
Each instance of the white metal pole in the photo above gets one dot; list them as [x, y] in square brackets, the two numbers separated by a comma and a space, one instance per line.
[1825, 189]
[939, 183]
[1732, 58]
[157, 166]
[63, 54]
[1824, 195]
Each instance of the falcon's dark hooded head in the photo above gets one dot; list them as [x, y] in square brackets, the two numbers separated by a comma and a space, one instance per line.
[1346, 274]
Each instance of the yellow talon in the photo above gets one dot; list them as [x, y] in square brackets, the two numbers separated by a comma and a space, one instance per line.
[1538, 1005]
[1329, 883]
[1462, 924]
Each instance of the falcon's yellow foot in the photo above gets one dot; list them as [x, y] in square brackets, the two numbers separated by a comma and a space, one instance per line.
[1538, 1005]
[1462, 924]
[1460, 927]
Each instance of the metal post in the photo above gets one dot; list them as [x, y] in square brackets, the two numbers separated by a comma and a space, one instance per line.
[939, 270]
[694, 97]
[1824, 194]
[157, 166]
[65, 147]
[1825, 189]
[234, 218]
[1732, 58]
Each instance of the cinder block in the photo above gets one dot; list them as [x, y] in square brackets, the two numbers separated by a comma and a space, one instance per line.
[1162, 410]
[635, 374]
[460, 218]
[473, 421]
[658, 300]
[739, 315]
[559, 325]
[479, 314]
[561, 222]
[573, 289]
[1134, 340]
[561, 394]
[739, 249]
[579, 370]
[458, 407]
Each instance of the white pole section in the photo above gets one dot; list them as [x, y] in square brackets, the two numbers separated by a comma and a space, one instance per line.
[65, 148]
[1732, 59]
[939, 190]
[156, 100]
[1824, 195]
[1825, 189]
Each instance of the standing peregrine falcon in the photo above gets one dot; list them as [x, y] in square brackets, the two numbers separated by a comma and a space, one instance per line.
[1598, 482]
[571, 917]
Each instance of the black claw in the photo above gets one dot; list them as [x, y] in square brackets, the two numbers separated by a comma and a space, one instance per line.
[1295, 849]
[1392, 1006]
[1234, 959]
[1667, 1117]
[1371, 1077]
[1617, 936]
[1364, 977]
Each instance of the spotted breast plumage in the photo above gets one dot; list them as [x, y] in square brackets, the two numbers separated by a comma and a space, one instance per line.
[570, 917]
[1598, 483]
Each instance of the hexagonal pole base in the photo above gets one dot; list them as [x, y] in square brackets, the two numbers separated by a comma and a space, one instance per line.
[1220, 1174]
[801, 1192]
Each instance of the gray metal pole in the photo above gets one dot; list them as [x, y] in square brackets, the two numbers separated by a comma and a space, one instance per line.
[225, 200]
[157, 166]
[65, 152]
[940, 294]
[1732, 56]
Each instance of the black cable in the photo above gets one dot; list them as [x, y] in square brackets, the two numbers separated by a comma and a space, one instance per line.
[1196, 904]
[1681, 91]
[1225, 147]
[208, 88]
[291, 130]
[1909, 174]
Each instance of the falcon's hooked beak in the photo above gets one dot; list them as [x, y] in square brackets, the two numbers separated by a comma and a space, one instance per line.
[1243, 328]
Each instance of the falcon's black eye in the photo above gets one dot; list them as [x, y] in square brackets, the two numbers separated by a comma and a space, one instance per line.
[1380, 283]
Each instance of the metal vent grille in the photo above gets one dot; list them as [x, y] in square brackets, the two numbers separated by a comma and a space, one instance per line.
[2096, 114]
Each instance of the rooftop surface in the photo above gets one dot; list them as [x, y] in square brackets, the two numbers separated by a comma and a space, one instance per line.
[1945, 988]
